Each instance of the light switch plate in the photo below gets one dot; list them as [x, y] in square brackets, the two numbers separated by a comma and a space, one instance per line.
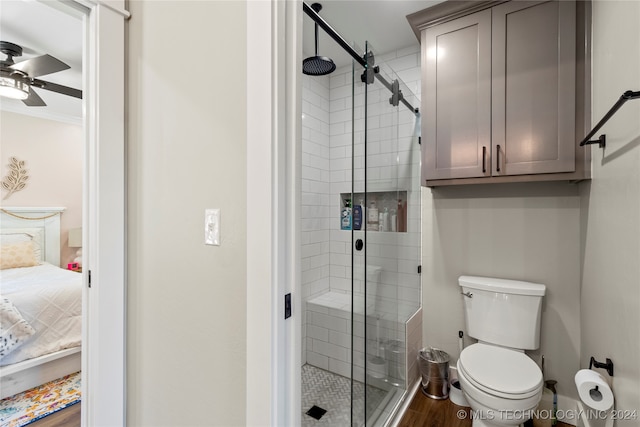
[212, 227]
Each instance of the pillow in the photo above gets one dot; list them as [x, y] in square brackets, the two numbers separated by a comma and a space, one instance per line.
[14, 330]
[19, 254]
[34, 235]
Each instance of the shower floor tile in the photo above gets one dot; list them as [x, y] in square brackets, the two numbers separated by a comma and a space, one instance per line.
[333, 392]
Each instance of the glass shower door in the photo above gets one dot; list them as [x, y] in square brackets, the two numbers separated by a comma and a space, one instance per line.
[371, 312]
[359, 248]
[386, 282]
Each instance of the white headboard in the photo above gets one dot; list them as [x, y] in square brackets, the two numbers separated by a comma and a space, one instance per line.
[47, 220]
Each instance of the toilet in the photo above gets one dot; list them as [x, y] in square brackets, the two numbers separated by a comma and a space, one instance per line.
[502, 384]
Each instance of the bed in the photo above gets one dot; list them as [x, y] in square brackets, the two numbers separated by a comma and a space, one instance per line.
[40, 303]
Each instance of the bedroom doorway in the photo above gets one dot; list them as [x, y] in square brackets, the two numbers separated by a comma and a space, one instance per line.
[42, 163]
[102, 190]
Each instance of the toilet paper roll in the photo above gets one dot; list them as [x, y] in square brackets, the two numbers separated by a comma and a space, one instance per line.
[594, 390]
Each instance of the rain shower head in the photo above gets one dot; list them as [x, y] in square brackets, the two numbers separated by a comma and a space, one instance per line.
[317, 65]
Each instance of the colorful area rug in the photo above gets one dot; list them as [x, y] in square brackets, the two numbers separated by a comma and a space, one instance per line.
[31, 405]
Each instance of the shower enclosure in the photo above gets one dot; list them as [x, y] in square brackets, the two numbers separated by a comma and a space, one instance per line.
[361, 285]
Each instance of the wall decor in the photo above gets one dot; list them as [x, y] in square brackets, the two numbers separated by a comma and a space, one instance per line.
[16, 179]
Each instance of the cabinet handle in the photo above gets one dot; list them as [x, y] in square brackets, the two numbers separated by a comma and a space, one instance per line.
[484, 159]
[497, 158]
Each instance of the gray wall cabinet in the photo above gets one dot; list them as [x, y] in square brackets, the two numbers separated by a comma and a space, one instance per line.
[499, 93]
[456, 101]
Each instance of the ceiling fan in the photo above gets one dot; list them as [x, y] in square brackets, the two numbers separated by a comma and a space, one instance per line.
[17, 80]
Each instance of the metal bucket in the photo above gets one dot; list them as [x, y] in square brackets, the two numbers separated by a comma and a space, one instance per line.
[434, 367]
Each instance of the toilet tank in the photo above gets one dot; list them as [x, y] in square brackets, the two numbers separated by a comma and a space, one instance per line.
[503, 312]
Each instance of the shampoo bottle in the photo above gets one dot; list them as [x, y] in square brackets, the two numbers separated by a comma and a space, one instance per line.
[373, 220]
[401, 216]
[385, 218]
[345, 216]
[394, 220]
[357, 216]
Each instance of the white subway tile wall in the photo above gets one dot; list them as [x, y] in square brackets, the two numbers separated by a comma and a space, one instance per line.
[316, 207]
[333, 158]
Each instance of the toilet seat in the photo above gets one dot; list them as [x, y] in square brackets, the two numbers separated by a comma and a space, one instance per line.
[500, 372]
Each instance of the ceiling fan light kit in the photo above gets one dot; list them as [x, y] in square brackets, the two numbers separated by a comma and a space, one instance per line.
[16, 79]
[13, 86]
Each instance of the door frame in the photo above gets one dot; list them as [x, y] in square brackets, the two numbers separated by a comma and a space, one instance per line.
[104, 355]
[274, 345]
[104, 210]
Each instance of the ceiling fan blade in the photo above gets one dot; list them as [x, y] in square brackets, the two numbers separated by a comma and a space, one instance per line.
[40, 65]
[54, 87]
[34, 100]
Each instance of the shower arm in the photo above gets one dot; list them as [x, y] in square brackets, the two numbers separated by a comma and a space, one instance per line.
[333, 34]
[350, 50]
[316, 25]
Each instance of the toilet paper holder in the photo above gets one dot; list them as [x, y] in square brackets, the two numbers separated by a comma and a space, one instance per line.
[608, 365]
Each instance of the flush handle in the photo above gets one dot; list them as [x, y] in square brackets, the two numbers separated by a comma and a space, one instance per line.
[467, 294]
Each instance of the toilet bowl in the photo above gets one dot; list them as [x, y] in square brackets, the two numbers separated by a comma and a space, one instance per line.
[503, 386]
[501, 383]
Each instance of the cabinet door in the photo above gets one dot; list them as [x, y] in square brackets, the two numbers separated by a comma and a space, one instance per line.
[456, 90]
[533, 69]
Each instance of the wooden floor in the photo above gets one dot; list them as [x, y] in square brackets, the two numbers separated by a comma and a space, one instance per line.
[67, 417]
[426, 412]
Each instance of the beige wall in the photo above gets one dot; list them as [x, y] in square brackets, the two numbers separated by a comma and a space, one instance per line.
[610, 232]
[53, 152]
[186, 344]
[515, 231]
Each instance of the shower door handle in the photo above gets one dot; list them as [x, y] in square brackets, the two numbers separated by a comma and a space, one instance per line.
[359, 244]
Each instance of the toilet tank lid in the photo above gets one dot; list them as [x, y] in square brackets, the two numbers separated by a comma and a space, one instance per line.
[505, 286]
